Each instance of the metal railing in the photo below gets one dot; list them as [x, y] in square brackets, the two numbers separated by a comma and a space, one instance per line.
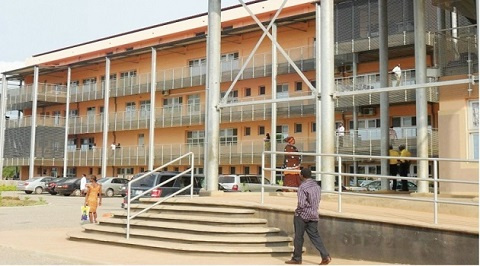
[129, 194]
[339, 176]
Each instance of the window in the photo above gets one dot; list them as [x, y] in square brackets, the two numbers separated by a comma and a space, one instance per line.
[127, 79]
[248, 92]
[229, 61]
[246, 170]
[73, 113]
[298, 86]
[247, 131]
[89, 84]
[282, 90]
[124, 171]
[298, 128]
[228, 136]
[113, 79]
[232, 96]
[282, 133]
[232, 170]
[219, 170]
[56, 117]
[196, 137]
[141, 140]
[144, 108]
[197, 66]
[261, 90]
[261, 130]
[473, 121]
[314, 127]
[130, 108]
[173, 104]
[193, 102]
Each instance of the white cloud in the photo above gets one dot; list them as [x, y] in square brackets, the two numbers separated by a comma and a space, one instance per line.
[6, 66]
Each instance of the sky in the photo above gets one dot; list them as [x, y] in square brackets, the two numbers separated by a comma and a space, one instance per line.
[30, 27]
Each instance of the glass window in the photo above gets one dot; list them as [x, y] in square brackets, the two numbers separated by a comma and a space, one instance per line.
[228, 136]
[298, 86]
[196, 137]
[248, 92]
[144, 108]
[261, 130]
[247, 131]
[261, 90]
[193, 102]
[298, 128]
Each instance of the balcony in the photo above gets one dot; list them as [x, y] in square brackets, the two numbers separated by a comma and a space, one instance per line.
[48, 94]
[361, 142]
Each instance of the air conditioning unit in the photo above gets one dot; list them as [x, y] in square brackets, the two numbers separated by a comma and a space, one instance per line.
[166, 92]
[368, 111]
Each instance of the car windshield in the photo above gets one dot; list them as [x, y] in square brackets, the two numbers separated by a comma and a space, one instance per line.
[226, 179]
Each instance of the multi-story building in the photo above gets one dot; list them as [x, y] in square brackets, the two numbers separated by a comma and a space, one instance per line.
[77, 75]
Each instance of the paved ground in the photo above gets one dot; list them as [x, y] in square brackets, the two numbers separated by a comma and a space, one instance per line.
[37, 236]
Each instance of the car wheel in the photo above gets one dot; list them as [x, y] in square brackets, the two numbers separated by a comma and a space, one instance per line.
[38, 190]
[278, 190]
[28, 192]
[53, 193]
[66, 194]
[124, 195]
[109, 193]
[76, 192]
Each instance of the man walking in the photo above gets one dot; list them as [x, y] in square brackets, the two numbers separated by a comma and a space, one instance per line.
[393, 166]
[83, 184]
[404, 165]
[306, 219]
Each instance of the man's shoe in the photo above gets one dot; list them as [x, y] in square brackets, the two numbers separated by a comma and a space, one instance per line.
[292, 261]
[326, 260]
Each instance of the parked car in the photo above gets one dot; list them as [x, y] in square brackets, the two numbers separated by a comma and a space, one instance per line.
[245, 183]
[167, 189]
[36, 184]
[69, 186]
[50, 185]
[112, 186]
[377, 185]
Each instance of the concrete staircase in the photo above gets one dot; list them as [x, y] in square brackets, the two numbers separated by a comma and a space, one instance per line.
[185, 226]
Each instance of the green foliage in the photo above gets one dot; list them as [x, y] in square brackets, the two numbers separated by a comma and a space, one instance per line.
[8, 188]
[9, 171]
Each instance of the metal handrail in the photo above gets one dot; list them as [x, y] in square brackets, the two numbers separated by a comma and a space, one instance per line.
[339, 175]
[130, 199]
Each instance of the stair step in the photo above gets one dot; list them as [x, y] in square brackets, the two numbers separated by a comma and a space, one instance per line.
[121, 240]
[196, 218]
[189, 208]
[181, 236]
[191, 227]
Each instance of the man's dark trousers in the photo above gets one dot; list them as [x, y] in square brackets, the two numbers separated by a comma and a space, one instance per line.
[312, 230]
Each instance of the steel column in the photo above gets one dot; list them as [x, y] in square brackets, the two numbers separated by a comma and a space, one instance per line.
[214, 68]
[384, 100]
[3, 110]
[67, 121]
[355, 117]
[33, 132]
[273, 137]
[421, 94]
[318, 82]
[328, 85]
[153, 88]
[441, 39]
[106, 102]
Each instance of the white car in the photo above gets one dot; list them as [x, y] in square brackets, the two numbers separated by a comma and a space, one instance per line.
[112, 186]
[245, 183]
[36, 184]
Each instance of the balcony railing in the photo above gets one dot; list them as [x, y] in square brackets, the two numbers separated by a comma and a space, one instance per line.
[17, 98]
[363, 142]
[42, 120]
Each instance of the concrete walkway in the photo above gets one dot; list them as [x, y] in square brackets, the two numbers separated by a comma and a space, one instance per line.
[48, 244]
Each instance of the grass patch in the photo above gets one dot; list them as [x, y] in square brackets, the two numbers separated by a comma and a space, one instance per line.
[16, 201]
[8, 188]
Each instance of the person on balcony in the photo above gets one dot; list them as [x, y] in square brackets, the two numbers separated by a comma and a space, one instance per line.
[397, 72]
[393, 166]
[266, 140]
[340, 134]
[393, 134]
[404, 165]
[291, 162]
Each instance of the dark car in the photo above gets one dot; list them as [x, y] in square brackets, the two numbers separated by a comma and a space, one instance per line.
[69, 186]
[50, 185]
[156, 178]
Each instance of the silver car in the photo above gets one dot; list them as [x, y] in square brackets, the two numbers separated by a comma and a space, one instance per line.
[245, 183]
[112, 186]
[36, 184]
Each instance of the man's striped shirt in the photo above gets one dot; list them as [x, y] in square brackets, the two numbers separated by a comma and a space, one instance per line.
[308, 200]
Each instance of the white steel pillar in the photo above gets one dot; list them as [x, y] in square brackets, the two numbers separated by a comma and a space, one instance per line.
[318, 82]
[384, 100]
[421, 94]
[33, 132]
[106, 102]
[67, 121]
[3, 110]
[153, 88]
[212, 131]
[328, 86]
[273, 137]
